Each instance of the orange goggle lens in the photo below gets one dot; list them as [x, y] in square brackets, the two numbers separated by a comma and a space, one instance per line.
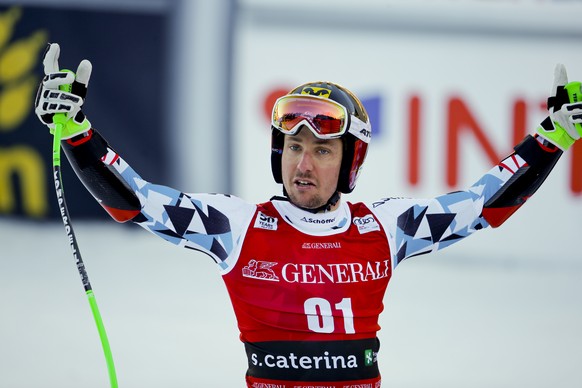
[327, 118]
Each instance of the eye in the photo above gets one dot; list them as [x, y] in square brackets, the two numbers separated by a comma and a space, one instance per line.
[294, 147]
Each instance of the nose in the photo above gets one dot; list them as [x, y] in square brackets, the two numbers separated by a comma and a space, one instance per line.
[305, 162]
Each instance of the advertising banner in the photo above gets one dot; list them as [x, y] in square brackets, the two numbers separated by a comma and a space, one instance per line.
[447, 102]
[127, 50]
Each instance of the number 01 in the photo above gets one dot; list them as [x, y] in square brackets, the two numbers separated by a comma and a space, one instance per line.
[320, 315]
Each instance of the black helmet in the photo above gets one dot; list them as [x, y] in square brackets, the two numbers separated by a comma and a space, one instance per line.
[355, 138]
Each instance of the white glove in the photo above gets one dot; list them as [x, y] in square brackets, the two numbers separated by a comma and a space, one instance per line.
[564, 124]
[52, 98]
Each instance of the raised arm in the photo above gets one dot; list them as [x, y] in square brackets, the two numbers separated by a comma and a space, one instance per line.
[204, 222]
[419, 226]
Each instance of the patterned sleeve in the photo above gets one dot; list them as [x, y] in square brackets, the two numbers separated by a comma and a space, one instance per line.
[210, 223]
[418, 226]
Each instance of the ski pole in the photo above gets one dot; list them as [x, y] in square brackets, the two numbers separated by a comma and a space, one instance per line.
[59, 120]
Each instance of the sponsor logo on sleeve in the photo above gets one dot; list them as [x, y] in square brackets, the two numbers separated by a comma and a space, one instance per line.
[366, 224]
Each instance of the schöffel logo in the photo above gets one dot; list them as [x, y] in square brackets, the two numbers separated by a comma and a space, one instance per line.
[324, 221]
[366, 224]
[260, 270]
[321, 92]
[264, 221]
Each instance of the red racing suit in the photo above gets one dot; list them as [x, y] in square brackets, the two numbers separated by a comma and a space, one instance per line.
[309, 312]
[307, 289]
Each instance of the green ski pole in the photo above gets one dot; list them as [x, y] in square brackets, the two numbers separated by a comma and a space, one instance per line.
[59, 120]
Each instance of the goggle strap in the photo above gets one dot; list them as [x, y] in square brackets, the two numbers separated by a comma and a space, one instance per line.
[360, 129]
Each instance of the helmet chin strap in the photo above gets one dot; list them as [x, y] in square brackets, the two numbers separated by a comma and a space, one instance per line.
[323, 208]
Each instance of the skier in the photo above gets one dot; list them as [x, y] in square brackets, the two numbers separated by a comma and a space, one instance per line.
[307, 271]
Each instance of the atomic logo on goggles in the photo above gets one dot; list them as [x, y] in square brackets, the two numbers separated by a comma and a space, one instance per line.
[321, 92]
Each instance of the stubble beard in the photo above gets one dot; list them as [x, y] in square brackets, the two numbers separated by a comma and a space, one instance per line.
[310, 203]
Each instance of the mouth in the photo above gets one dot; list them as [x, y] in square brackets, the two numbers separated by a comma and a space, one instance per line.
[303, 183]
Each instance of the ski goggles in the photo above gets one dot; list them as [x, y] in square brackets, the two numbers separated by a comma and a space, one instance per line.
[326, 118]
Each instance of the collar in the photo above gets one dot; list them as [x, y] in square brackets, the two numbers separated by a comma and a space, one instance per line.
[325, 223]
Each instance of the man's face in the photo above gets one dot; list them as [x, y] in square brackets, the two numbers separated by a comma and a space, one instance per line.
[310, 168]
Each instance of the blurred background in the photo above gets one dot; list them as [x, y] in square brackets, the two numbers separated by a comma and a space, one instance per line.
[183, 91]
